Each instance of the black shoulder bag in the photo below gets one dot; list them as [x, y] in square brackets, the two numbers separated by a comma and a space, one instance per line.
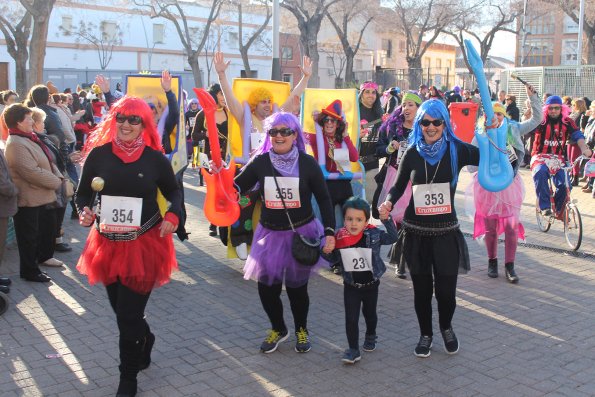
[305, 250]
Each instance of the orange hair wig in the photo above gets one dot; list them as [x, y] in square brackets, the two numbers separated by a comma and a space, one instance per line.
[257, 95]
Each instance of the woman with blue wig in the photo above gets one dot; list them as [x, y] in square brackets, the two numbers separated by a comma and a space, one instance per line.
[270, 263]
[431, 242]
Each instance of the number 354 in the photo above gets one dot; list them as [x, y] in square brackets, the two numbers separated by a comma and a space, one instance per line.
[121, 215]
[434, 198]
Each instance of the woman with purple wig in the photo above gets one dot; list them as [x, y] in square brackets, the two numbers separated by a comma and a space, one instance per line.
[298, 177]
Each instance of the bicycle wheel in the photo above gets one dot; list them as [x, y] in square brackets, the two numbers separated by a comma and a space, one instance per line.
[543, 222]
[573, 227]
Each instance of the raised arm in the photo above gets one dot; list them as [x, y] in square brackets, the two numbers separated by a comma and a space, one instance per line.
[536, 112]
[298, 90]
[234, 106]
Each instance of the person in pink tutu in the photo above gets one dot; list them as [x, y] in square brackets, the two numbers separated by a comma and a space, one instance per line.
[499, 212]
[130, 249]
[270, 262]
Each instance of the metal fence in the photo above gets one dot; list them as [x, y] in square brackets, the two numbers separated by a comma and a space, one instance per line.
[559, 80]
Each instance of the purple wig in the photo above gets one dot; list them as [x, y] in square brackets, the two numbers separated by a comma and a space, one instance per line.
[281, 118]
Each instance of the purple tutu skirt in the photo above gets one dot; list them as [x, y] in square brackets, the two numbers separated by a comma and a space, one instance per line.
[270, 260]
[504, 206]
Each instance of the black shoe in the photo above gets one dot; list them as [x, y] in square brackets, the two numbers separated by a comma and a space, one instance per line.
[5, 289]
[145, 359]
[212, 230]
[401, 274]
[74, 215]
[493, 268]
[5, 281]
[510, 273]
[62, 247]
[38, 278]
[424, 346]
[546, 212]
[451, 343]
[336, 269]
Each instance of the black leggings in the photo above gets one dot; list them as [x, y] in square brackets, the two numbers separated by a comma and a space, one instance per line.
[354, 299]
[129, 307]
[445, 288]
[270, 296]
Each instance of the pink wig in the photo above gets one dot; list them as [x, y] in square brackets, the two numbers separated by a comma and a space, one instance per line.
[107, 130]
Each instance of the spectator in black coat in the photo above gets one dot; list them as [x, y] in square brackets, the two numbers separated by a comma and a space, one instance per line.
[511, 108]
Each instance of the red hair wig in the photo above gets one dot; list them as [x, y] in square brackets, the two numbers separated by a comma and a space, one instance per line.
[106, 131]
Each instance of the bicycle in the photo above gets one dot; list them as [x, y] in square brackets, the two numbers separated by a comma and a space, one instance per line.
[570, 215]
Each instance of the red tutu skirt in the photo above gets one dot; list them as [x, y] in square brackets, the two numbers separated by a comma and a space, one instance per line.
[141, 264]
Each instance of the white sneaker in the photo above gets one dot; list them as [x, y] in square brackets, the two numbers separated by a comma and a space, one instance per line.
[53, 262]
[242, 251]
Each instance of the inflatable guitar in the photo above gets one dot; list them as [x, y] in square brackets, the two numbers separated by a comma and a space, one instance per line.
[221, 203]
[495, 171]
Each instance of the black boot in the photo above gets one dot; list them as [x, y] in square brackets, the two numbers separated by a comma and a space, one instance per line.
[145, 359]
[130, 355]
[493, 268]
[510, 273]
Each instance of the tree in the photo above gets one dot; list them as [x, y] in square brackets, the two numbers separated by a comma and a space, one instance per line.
[338, 58]
[17, 37]
[193, 38]
[33, 22]
[571, 8]
[256, 35]
[495, 16]
[421, 22]
[340, 16]
[309, 15]
[103, 37]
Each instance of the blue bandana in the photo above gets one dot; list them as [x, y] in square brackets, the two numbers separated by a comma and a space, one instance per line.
[434, 152]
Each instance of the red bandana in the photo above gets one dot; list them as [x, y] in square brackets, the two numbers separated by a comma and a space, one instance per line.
[128, 152]
[344, 239]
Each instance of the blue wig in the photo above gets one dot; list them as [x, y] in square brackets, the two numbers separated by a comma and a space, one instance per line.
[277, 119]
[436, 109]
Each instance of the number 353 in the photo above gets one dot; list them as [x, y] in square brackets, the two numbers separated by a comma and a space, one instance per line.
[434, 198]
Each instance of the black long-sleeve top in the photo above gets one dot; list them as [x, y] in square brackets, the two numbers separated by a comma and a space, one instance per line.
[412, 169]
[171, 121]
[140, 178]
[311, 181]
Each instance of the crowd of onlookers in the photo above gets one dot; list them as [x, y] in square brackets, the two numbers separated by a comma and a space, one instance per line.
[41, 137]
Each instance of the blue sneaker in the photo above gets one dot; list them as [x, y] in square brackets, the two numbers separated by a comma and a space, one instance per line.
[303, 341]
[272, 341]
[370, 343]
[351, 356]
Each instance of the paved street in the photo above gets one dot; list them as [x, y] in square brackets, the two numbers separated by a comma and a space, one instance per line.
[531, 339]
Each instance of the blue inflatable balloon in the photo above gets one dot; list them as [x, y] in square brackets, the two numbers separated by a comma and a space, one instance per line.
[495, 171]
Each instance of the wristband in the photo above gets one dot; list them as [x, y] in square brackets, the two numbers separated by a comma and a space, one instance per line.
[390, 149]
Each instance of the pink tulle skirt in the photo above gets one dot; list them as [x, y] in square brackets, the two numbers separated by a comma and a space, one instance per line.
[141, 264]
[399, 208]
[504, 205]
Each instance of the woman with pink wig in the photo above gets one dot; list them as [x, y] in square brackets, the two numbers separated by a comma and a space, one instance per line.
[130, 248]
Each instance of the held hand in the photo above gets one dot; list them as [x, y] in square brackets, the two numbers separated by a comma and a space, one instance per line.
[166, 228]
[307, 67]
[75, 157]
[166, 81]
[394, 144]
[588, 153]
[329, 245]
[219, 62]
[384, 209]
[86, 217]
[103, 82]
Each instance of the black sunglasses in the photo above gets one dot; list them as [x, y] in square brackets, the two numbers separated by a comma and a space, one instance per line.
[132, 120]
[283, 131]
[329, 120]
[435, 123]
